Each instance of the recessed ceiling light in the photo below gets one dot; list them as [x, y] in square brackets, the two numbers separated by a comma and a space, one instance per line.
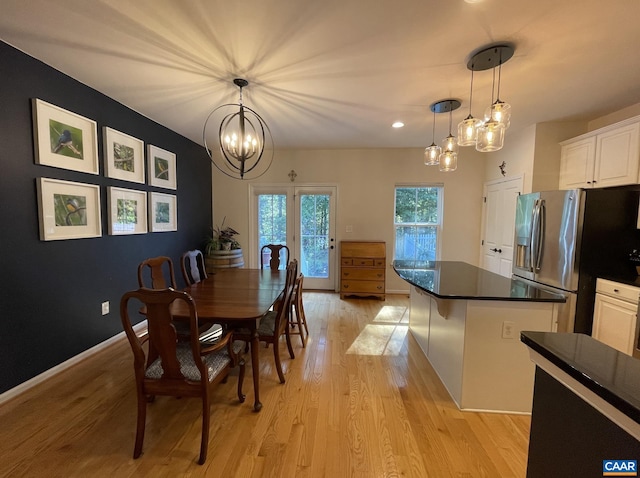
[398, 124]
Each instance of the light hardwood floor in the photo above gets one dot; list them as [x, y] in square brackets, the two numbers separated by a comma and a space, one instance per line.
[360, 401]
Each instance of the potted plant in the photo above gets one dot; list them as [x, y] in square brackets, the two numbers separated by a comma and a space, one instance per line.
[222, 249]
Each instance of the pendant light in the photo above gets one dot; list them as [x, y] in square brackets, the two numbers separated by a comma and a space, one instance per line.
[449, 157]
[432, 153]
[490, 135]
[468, 127]
[244, 143]
[491, 132]
[499, 110]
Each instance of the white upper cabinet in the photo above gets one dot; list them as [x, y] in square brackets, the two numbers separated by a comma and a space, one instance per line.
[606, 157]
[577, 161]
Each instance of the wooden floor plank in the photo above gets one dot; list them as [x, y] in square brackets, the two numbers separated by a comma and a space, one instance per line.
[360, 400]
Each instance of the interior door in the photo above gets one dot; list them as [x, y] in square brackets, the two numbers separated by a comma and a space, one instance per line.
[498, 224]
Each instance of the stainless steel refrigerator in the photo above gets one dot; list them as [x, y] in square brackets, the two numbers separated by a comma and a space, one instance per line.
[564, 240]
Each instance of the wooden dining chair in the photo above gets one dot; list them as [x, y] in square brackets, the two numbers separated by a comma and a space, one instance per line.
[274, 251]
[156, 273]
[172, 367]
[274, 324]
[194, 271]
[193, 268]
[297, 317]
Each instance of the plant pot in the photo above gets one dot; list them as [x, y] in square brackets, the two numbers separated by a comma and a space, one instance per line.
[223, 260]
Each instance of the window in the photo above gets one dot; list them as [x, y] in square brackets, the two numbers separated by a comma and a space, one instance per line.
[418, 218]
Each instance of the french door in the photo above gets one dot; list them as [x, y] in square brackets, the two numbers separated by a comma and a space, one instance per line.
[303, 218]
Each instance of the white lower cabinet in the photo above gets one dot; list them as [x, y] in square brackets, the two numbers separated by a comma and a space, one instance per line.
[615, 315]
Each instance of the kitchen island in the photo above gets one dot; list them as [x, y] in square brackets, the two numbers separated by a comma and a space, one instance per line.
[586, 406]
[467, 322]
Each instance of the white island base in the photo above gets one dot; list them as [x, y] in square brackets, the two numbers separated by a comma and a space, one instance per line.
[474, 347]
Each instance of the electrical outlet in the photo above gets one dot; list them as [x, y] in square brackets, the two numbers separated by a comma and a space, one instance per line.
[105, 308]
[508, 330]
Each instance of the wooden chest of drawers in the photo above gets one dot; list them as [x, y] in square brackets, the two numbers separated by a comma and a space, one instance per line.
[362, 269]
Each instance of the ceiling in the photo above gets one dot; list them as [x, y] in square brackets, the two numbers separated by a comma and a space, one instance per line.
[337, 73]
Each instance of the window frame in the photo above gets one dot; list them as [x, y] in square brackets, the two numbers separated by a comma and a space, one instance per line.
[440, 213]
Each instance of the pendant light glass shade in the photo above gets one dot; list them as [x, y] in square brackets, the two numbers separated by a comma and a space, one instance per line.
[432, 154]
[490, 136]
[449, 144]
[500, 112]
[468, 131]
[448, 161]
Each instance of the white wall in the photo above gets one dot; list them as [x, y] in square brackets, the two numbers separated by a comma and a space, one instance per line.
[533, 152]
[365, 179]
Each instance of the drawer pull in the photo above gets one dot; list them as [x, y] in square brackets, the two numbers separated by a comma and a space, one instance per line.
[616, 290]
[346, 273]
[346, 286]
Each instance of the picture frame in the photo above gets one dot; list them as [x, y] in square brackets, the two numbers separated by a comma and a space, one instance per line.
[127, 211]
[68, 210]
[123, 156]
[163, 212]
[162, 167]
[63, 139]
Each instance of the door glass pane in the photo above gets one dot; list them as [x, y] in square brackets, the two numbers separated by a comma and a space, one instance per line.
[272, 222]
[314, 232]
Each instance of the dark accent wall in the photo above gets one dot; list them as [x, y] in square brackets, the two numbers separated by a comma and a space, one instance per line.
[51, 292]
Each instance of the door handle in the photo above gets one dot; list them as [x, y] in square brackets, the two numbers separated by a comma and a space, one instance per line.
[499, 251]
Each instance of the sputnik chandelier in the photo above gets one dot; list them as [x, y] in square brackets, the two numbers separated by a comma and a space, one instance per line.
[243, 143]
[487, 134]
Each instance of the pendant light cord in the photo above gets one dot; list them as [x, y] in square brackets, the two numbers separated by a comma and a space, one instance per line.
[433, 133]
[499, 77]
[471, 91]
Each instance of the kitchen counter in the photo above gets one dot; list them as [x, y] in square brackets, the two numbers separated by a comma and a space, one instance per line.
[586, 405]
[467, 322]
[459, 280]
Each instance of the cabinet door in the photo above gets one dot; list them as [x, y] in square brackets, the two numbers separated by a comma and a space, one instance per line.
[614, 323]
[617, 157]
[577, 161]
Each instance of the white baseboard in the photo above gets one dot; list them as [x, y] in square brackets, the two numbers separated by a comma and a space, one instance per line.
[47, 374]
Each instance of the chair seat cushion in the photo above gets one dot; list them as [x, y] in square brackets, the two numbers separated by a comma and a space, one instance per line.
[214, 362]
[267, 325]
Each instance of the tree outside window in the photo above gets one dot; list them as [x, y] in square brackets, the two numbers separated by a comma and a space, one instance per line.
[417, 222]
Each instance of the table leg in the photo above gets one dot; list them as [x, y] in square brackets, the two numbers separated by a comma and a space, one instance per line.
[255, 367]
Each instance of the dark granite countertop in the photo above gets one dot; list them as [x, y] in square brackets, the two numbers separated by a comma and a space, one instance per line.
[459, 280]
[612, 375]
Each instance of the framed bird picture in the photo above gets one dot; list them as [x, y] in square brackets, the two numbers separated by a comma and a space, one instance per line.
[63, 139]
[123, 156]
[68, 210]
[162, 168]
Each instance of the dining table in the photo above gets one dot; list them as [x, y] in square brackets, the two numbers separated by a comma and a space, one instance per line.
[236, 297]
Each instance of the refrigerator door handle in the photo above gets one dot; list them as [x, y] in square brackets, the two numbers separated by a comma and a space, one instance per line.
[542, 213]
[535, 237]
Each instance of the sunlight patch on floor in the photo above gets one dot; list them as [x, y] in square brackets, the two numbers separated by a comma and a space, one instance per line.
[385, 336]
[392, 314]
